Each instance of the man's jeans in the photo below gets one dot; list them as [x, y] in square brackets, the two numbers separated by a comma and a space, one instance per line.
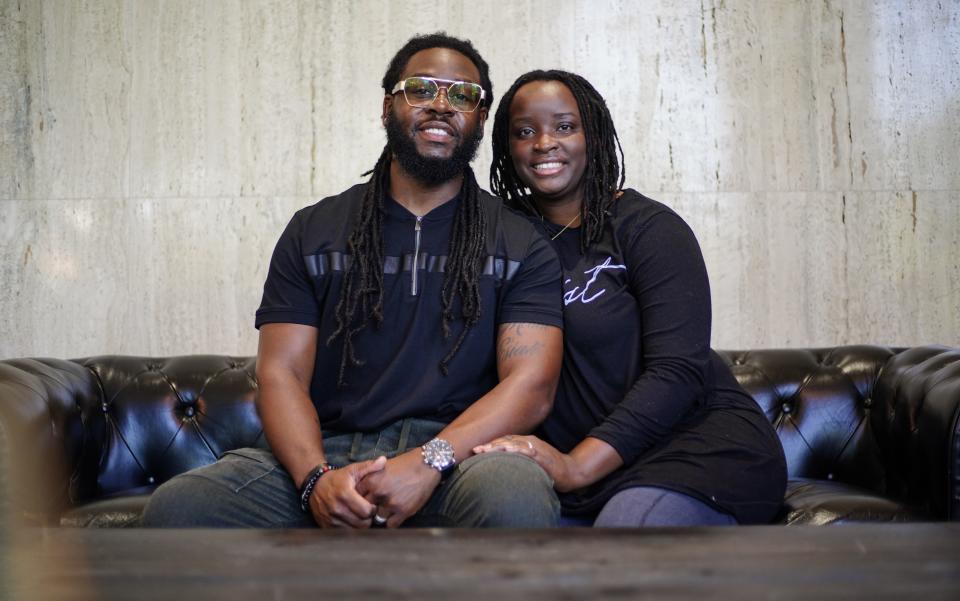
[249, 488]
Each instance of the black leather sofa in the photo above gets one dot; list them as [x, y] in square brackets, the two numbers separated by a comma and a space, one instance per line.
[870, 433]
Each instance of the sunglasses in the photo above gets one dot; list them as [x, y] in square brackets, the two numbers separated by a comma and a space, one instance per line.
[463, 96]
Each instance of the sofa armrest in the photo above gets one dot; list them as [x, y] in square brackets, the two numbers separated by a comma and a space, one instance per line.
[41, 435]
[916, 419]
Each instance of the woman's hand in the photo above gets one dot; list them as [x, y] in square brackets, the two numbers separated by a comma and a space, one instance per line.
[562, 468]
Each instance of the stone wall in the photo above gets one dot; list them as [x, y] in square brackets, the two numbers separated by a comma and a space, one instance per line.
[151, 153]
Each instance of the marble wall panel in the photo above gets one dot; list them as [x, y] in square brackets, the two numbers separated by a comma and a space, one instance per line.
[16, 154]
[903, 64]
[185, 98]
[617, 48]
[830, 99]
[734, 249]
[794, 96]
[683, 157]
[902, 269]
[348, 50]
[141, 276]
[150, 152]
[275, 96]
[79, 79]
[721, 96]
[805, 270]
[938, 267]
[776, 263]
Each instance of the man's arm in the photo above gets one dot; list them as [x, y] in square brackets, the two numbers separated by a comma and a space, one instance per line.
[285, 361]
[528, 363]
[284, 370]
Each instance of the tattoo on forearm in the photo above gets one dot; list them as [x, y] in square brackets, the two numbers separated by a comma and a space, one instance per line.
[519, 328]
[510, 348]
[511, 342]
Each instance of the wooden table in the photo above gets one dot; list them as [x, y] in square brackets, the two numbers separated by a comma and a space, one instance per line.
[875, 561]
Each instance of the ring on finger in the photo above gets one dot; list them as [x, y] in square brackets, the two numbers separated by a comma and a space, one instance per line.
[530, 444]
[379, 521]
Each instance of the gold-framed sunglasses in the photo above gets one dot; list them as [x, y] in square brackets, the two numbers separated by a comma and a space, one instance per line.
[463, 96]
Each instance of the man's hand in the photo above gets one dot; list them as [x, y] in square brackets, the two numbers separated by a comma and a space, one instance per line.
[401, 488]
[335, 502]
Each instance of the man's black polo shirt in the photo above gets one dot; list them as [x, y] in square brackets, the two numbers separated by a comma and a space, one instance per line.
[400, 377]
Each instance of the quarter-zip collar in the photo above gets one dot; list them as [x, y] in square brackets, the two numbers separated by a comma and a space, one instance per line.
[445, 211]
[439, 219]
[415, 267]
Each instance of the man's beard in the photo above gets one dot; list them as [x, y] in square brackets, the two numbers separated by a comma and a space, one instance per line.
[430, 170]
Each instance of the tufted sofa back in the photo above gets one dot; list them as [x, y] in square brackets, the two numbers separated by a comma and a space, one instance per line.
[820, 402]
[109, 426]
[879, 418]
[156, 418]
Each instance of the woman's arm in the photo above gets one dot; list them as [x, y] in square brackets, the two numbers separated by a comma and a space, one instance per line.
[590, 461]
[668, 278]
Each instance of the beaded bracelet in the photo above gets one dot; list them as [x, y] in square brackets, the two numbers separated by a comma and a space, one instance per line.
[308, 485]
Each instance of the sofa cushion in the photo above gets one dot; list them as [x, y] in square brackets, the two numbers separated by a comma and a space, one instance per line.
[821, 502]
[119, 512]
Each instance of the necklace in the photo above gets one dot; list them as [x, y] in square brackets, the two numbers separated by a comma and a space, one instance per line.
[569, 223]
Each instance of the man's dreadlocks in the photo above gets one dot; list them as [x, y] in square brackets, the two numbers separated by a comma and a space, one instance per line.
[361, 297]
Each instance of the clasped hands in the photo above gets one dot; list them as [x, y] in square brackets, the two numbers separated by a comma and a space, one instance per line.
[395, 489]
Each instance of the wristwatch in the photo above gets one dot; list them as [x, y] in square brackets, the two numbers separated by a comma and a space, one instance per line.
[438, 454]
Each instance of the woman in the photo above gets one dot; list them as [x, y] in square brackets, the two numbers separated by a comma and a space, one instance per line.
[649, 427]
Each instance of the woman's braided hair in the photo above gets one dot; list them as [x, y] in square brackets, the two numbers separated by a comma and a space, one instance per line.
[361, 297]
[604, 174]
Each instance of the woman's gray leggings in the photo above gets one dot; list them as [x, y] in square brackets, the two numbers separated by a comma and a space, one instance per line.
[649, 507]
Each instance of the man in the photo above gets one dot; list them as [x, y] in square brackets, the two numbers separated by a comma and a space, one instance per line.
[403, 322]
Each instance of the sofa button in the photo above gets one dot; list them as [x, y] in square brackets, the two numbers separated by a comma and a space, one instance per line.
[787, 408]
[867, 402]
[830, 476]
[189, 411]
[150, 480]
[105, 407]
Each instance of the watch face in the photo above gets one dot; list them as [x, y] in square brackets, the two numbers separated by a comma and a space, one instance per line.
[438, 454]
